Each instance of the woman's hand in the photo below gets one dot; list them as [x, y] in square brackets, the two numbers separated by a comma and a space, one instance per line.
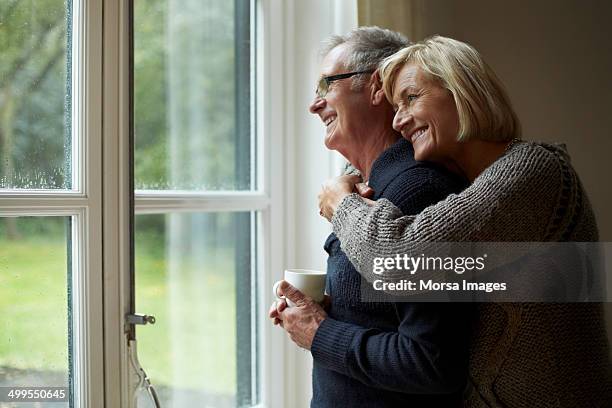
[334, 190]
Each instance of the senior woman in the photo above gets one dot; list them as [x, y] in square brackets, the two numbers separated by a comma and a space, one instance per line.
[452, 108]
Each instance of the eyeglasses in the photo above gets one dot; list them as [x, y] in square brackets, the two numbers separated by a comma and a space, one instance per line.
[324, 82]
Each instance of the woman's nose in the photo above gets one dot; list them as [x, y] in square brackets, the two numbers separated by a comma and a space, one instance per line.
[317, 104]
[400, 120]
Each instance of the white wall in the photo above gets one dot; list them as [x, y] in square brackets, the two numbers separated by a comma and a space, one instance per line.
[307, 162]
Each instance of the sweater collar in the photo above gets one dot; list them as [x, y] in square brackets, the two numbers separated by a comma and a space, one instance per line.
[393, 161]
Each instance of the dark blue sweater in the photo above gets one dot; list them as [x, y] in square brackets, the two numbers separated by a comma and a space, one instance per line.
[391, 354]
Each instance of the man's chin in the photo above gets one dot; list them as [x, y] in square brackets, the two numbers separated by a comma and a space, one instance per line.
[329, 142]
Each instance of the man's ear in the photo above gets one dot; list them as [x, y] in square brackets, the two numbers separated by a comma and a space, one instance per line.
[377, 95]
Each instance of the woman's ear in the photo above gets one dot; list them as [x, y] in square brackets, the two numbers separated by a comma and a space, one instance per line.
[377, 95]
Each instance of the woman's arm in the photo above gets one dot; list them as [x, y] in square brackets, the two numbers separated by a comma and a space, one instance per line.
[513, 200]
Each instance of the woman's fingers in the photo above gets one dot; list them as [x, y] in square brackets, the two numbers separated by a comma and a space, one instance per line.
[369, 202]
[364, 190]
[333, 191]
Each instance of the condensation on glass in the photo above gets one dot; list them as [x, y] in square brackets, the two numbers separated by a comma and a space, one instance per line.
[35, 94]
[194, 274]
[192, 81]
[35, 333]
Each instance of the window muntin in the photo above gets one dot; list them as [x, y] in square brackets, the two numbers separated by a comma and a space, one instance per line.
[195, 153]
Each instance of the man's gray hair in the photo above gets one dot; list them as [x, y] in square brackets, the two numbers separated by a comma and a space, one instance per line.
[369, 46]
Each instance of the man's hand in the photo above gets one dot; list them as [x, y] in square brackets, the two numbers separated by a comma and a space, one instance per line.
[301, 321]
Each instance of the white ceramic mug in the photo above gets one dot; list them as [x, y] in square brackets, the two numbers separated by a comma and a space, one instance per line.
[309, 282]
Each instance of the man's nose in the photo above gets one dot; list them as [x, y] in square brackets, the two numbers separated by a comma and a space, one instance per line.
[317, 104]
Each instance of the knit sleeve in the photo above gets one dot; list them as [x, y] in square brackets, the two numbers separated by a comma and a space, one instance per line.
[426, 355]
[513, 200]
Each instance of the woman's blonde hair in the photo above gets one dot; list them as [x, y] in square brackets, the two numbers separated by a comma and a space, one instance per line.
[484, 109]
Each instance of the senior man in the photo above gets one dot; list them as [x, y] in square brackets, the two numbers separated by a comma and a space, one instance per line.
[371, 354]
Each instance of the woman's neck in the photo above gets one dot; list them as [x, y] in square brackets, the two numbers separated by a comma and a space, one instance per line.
[476, 155]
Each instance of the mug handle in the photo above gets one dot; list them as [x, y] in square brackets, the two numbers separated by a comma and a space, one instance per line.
[274, 290]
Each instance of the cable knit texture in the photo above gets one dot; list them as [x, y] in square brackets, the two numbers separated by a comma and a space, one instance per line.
[527, 354]
[385, 354]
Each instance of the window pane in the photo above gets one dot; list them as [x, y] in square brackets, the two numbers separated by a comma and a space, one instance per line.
[192, 95]
[193, 273]
[34, 327]
[35, 101]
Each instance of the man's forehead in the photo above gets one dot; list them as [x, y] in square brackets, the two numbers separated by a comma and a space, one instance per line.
[335, 60]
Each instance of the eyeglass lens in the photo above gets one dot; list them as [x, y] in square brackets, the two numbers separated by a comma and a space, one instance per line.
[322, 87]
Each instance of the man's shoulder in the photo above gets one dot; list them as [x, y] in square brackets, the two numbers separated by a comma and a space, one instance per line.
[427, 176]
[421, 185]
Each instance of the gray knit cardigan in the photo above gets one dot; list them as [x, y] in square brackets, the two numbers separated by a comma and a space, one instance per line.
[523, 354]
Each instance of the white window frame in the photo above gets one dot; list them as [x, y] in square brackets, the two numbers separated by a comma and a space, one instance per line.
[265, 200]
[83, 204]
[119, 381]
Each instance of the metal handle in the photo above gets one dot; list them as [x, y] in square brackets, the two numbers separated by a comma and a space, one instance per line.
[140, 319]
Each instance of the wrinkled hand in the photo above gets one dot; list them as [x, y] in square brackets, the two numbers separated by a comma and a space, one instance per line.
[280, 305]
[334, 190]
[301, 321]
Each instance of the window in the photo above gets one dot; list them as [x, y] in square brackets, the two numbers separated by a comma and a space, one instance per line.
[50, 269]
[35, 96]
[201, 203]
[198, 200]
[34, 301]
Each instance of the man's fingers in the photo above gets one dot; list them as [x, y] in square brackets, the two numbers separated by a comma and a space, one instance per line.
[326, 303]
[291, 292]
[277, 308]
[272, 312]
[281, 305]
